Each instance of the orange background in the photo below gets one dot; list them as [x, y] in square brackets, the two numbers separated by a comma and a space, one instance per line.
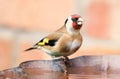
[25, 22]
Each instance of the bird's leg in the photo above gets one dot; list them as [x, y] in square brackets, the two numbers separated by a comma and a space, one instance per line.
[67, 61]
[57, 61]
[57, 58]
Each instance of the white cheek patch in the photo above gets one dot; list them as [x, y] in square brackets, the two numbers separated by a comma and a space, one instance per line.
[69, 23]
[69, 26]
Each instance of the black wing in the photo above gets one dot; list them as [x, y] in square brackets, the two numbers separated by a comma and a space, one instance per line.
[49, 43]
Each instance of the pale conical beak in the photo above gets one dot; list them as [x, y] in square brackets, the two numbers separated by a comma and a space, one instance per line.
[80, 22]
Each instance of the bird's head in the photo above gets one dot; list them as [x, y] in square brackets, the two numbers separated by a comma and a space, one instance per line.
[73, 23]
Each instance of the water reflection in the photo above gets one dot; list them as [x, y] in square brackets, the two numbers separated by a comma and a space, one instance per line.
[38, 74]
[79, 76]
[70, 76]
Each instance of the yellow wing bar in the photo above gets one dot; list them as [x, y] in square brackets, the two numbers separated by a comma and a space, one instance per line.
[46, 40]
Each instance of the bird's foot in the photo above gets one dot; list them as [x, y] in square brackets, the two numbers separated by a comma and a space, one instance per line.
[67, 61]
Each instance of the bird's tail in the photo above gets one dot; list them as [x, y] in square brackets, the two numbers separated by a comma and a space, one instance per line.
[31, 48]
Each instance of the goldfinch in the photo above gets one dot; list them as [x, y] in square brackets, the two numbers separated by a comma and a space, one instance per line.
[63, 42]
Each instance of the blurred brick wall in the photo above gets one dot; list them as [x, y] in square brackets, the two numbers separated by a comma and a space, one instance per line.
[98, 14]
[33, 17]
[34, 14]
[24, 22]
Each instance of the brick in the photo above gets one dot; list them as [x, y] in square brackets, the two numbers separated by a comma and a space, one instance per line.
[34, 15]
[5, 54]
[98, 19]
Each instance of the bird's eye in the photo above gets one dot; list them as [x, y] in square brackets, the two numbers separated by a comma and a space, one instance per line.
[74, 19]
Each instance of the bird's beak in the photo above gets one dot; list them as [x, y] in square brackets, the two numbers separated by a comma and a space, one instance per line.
[79, 23]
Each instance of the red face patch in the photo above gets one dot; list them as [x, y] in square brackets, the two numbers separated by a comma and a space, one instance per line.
[75, 26]
[76, 16]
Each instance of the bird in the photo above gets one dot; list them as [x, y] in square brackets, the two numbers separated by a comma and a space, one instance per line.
[64, 41]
